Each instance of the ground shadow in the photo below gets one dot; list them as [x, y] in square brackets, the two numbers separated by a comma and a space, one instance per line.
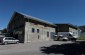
[65, 49]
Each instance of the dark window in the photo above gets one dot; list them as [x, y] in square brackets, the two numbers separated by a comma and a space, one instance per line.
[47, 34]
[37, 30]
[70, 35]
[13, 39]
[6, 39]
[38, 36]
[33, 30]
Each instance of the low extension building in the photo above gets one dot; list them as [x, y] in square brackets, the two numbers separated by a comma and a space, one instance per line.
[0, 31]
[30, 29]
[68, 30]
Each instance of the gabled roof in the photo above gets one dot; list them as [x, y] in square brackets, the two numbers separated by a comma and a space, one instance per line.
[33, 18]
[37, 19]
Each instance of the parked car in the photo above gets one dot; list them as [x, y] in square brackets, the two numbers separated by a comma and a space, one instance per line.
[7, 40]
[60, 37]
[64, 38]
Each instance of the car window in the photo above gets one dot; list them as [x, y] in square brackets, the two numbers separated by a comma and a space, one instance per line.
[9, 38]
[70, 35]
[6, 38]
[13, 39]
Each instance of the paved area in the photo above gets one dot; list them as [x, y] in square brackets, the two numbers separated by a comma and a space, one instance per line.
[33, 48]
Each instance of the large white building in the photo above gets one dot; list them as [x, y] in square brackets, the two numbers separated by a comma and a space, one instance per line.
[30, 29]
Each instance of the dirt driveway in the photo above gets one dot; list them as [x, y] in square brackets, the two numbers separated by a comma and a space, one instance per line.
[34, 48]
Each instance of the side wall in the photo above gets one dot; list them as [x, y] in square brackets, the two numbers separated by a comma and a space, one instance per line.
[35, 36]
[74, 31]
[16, 27]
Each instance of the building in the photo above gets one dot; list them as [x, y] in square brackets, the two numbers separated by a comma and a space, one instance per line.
[0, 31]
[30, 29]
[2, 34]
[82, 30]
[68, 30]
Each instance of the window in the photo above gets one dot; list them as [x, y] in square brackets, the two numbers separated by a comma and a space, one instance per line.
[38, 36]
[13, 39]
[6, 39]
[70, 35]
[37, 30]
[47, 34]
[33, 30]
[74, 32]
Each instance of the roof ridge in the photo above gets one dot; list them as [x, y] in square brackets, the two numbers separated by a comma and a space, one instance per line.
[36, 18]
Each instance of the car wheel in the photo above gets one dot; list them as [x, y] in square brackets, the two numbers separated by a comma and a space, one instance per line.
[17, 42]
[5, 43]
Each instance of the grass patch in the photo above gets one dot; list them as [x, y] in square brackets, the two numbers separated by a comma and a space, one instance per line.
[81, 38]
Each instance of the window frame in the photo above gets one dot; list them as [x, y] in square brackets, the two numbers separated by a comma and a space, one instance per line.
[47, 34]
[38, 30]
[33, 30]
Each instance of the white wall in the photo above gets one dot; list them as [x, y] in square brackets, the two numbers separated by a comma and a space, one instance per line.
[30, 37]
[74, 31]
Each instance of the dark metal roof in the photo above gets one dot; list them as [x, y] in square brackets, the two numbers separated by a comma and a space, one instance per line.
[37, 19]
[70, 25]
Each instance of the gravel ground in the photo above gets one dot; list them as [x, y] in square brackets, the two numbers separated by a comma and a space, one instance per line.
[33, 48]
